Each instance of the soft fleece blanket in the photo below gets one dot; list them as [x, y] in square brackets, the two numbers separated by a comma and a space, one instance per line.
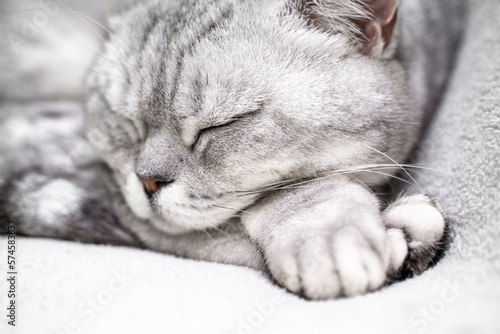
[66, 287]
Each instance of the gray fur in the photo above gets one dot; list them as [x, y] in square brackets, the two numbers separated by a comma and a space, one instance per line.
[237, 105]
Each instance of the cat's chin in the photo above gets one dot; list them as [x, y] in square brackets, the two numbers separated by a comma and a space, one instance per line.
[168, 227]
[180, 226]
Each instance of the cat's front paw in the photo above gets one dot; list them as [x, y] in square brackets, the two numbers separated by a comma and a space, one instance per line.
[420, 219]
[330, 239]
[340, 260]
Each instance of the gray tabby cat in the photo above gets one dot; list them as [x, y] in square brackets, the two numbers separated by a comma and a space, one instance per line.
[254, 133]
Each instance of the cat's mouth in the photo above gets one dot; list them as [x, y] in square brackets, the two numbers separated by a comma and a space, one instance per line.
[179, 217]
[176, 209]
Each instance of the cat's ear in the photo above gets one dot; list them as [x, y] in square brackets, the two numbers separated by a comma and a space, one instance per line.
[371, 22]
[378, 29]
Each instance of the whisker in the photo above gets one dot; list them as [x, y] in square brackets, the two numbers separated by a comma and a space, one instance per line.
[415, 167]
[215, 228]
[365, 185]
[268, 187]
[239, 198]
[294, 186]
[93, 20]
[97, 53]
[290, 182]
[204, 230]
[92, 70]
[82, 16]
[237, 210]
[63, 7]
[392, 176]
[25, 10]
[399, 165]
[284, 184]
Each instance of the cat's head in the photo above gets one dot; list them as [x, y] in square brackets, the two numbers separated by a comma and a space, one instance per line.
[198, 106]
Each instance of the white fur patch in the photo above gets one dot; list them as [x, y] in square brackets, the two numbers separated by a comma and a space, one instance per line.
[399, 248]
[57, 199]
[136, 197]
[418, 217]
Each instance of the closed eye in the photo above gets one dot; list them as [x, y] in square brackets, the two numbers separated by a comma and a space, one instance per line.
[211, 128]
[219, 126]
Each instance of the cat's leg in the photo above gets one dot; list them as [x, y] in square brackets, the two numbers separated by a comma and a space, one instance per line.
[322, 239]
[327, 238]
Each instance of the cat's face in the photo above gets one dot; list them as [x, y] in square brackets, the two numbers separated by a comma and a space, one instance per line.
[219, 100]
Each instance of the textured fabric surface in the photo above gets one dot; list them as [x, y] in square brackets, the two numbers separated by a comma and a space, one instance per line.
[72, 288]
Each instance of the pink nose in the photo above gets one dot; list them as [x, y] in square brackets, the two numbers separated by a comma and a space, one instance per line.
[152, 185]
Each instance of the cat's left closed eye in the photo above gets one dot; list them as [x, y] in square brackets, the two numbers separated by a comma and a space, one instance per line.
[229, 122]
[210, 128]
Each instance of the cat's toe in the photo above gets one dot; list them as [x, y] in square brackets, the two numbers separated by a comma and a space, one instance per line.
[304, 266]
[282, 263]
[398, 249]
[420, 218]
[361, 267]
[318, 272]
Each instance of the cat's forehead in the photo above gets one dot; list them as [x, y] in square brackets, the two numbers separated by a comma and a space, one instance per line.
[211, 75]
[207, 98]
[212, 60]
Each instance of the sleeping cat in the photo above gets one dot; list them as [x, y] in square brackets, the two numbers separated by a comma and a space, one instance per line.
[254, 133]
